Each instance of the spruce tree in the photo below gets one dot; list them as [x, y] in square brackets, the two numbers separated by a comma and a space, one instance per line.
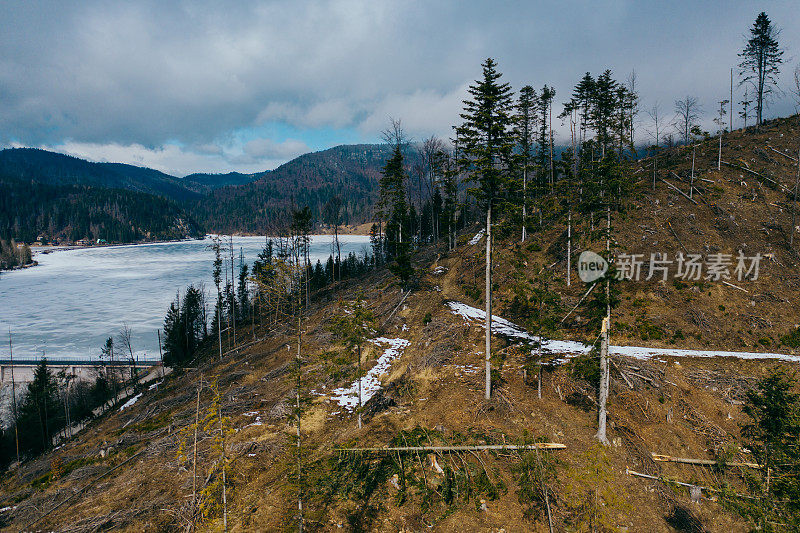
[174, 353]
[393, 198]
[773, 436]
[353, 327]
[486, 150]
[40, 411]
[524, 129]
[761, 60]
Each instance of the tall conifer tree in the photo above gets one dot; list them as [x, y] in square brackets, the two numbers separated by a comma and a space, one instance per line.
[486, 149]
[761, 60]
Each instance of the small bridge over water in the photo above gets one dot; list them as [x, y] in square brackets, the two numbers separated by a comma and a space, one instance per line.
[83, 369]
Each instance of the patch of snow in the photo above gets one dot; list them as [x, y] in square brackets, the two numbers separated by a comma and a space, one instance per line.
[347, 397]
[468, 369]
[476, 239]
[257, 422]
[404, 328]
[250, 413]
[5, 509]
[251, 455]
[638, 352]
[501, 326]
[130, 402]
[439, 270]
[154, 385]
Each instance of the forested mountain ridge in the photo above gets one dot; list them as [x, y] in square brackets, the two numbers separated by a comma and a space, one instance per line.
[30, 210]
[58, 169]
[351, 172]
[205, 183]
[232, 202]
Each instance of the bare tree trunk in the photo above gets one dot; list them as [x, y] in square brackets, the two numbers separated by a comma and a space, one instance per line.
[489, 301]
[719, 154]
[227, 289]
[219, 327]
[569, 246]
[224, 481]
[691, 184]
[359, 387]
[297, 406]
[524, 201]
[551, 147]
[794, 207]
[604, 385]
[655, 168]
[194, 458]
[13, 393]
[338, 251]
[233, 295]
[730, 120]
[539, 377]
[602, 415]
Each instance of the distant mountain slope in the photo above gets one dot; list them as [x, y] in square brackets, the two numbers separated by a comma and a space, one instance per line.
[205, 183]
[68, 213]
[351, 172]
[232, 202]
[59, 169]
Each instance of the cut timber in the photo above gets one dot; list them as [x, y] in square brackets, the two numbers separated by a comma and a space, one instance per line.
[783, 154]
[667, 480]
[403, 299]
[676, 236]
[756, 174]
[537, 446]
[734, 286]
[579, 303]
[704, 462]
[628, 381]
[680, 191]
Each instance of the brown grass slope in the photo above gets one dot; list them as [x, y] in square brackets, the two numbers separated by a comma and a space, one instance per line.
[432, 395]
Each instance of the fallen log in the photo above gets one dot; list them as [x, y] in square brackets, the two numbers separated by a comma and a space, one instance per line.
[783, 154]
[676, 236]
[734, 286]
[537, 446]
[579, 303]
[754, 173]
[680, 191]
[702, 462]
[682, 484]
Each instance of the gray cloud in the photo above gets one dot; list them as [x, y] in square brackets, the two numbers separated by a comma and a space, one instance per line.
[171, 83]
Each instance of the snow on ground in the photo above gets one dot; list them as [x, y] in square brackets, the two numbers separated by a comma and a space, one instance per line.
[154, 385]
[257, 422]
[347, 397]
[467, 369]
[477, 238]
[501, 326]
[130, 402]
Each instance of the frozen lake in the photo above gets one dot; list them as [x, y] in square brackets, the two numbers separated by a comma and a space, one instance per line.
[68, 305]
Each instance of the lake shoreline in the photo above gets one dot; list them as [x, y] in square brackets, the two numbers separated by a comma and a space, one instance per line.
[74, 300]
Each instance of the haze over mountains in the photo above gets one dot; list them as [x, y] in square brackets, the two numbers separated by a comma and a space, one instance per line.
[232, 202]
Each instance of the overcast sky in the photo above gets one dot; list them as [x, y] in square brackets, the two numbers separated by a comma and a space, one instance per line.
[219, 86]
